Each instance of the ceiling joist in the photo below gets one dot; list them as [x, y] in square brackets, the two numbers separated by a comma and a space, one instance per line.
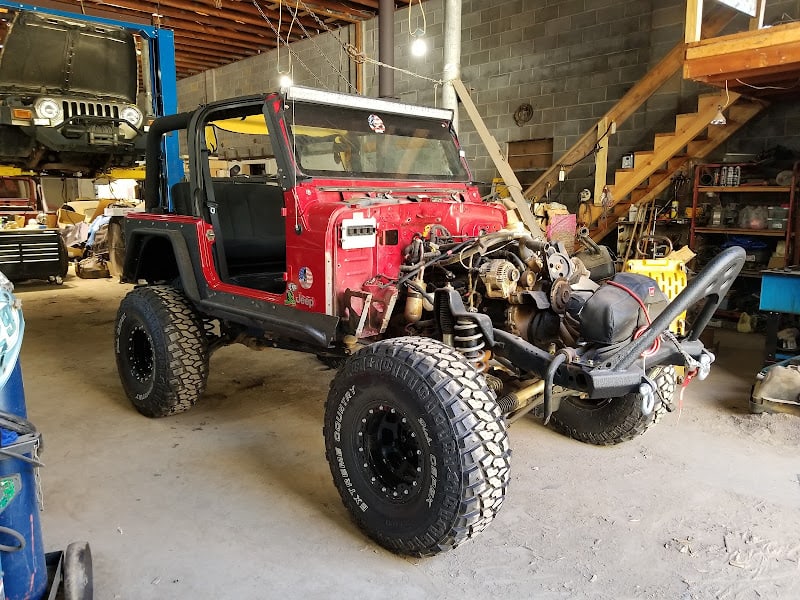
[213, 33]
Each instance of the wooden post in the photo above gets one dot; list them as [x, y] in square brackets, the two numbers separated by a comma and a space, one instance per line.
[757, 22]
[601, 159]
[359, 44]
[694, 20]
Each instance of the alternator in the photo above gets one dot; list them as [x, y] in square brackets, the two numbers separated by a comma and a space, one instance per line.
[500, 278]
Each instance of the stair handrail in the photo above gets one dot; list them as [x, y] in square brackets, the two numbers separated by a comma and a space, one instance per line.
[641, 91]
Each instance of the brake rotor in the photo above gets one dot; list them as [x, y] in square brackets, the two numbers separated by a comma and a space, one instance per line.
[560, 293]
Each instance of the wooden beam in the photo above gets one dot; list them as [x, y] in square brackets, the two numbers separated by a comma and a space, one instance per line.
[601, 159]
[694, 20]
[757, 22]
[176, 19]
[202, 52]
[76, 7]
[732, 65]
[506, 172]
[359, 44]
[744, 40]
[242, 14]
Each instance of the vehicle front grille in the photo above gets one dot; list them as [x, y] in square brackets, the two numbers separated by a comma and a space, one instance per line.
[80, 108]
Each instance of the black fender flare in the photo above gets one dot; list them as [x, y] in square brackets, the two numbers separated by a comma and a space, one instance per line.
[137, 240]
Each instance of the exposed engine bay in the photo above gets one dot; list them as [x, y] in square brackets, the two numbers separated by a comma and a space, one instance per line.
[526, 287]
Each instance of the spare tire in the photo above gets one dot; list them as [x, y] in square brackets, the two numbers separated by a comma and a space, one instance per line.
[608, 421]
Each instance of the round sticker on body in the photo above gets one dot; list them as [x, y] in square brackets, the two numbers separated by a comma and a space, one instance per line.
[376, 124]
[306, 277]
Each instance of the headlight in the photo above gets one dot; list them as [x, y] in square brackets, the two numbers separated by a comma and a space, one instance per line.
[47, 108]
[132, 115]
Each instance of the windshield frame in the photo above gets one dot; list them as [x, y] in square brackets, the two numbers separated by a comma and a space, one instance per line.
[407, 140]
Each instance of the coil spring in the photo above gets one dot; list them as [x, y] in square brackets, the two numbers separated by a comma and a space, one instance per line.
[469, 341]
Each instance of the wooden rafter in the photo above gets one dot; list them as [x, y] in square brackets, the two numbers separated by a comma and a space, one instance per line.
[235, 29]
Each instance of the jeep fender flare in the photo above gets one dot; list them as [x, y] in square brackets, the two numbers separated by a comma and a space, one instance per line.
[138, 240]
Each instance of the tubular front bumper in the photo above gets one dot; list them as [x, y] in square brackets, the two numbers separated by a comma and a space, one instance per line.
[623, 371]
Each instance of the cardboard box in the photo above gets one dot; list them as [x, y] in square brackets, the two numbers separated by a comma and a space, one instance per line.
[776, 262]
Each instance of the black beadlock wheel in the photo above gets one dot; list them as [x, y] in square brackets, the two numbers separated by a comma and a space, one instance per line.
[161, 351]
[609, 421]
[416, 444]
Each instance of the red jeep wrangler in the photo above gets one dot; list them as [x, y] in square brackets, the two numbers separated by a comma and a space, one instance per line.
[370, 246]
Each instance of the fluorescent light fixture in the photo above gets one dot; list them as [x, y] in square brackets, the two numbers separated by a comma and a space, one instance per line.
[363, 102]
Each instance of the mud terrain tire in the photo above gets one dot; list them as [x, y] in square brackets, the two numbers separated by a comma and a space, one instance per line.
[609, 421]
[161, 351]
[416, 444]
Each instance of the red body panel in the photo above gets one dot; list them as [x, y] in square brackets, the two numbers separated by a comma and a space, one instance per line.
[320, 270]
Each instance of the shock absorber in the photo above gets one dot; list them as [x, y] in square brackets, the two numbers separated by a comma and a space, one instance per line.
[469, 341]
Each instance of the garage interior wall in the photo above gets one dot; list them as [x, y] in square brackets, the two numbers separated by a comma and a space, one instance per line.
[571, 60]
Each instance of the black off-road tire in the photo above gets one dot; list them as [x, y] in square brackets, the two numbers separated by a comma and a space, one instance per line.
[416, 444]
[609, 421]
[161, 350]
[78, 577]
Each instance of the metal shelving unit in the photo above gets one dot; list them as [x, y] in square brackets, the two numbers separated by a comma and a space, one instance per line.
[750, 194]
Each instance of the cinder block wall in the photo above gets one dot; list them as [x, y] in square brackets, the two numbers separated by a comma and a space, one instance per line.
[570, 59]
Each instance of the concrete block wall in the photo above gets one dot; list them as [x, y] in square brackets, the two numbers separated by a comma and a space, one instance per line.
[570, 59]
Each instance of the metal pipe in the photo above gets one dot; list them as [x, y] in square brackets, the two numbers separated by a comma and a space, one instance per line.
[386, 48]
[452, 56]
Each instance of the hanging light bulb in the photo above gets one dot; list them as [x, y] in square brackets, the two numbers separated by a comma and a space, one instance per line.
[419, 47]
[285, 79]
[719, 118]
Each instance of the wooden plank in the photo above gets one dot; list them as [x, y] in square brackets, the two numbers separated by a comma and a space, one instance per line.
[359, 44]
[744, 40]
[537, 146]
[601, 159]
[493, 148]
[757, 21]
[694, 20]
[763, 61]
[530, 162]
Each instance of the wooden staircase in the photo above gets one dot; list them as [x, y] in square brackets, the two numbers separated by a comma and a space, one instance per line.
[693, 139]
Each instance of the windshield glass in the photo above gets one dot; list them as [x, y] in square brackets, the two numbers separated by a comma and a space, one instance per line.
[358, 143]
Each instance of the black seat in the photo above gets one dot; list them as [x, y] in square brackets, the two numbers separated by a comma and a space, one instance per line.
[181, 198]
[253, 226]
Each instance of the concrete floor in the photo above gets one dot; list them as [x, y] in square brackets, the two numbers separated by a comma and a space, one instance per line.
[234, 499]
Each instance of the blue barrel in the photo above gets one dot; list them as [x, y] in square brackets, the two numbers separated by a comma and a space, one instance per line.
[24, 570]
[21, 549]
